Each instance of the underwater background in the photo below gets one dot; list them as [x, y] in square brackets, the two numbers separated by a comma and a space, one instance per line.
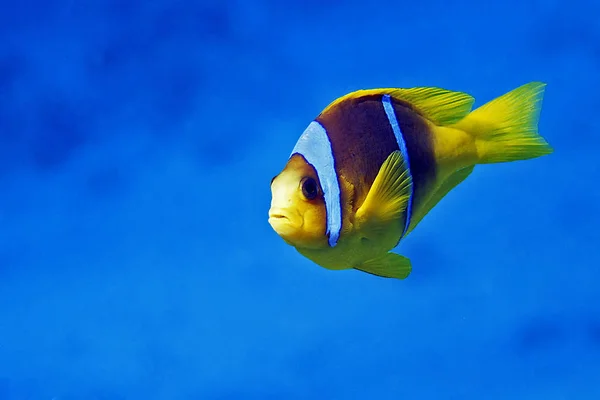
[137, 143]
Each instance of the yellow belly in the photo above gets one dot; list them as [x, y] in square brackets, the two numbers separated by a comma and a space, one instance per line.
[354, 248]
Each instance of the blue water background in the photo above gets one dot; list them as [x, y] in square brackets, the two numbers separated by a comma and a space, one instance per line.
[137, 143]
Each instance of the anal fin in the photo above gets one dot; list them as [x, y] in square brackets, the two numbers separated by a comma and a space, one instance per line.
[442, 190]
[390, 265]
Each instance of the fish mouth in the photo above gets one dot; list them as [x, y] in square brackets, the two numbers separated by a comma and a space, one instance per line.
[278, 218]
[277, 215]
[284, 222]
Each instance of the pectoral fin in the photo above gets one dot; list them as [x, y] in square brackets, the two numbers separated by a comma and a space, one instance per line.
[389, 195]
[390, 265]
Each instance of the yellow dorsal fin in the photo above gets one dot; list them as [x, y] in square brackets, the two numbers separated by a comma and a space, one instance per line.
[440, 106]
[390, 265]
[388, 197]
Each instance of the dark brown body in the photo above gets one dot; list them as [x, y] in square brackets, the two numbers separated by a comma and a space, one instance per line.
[362, 138]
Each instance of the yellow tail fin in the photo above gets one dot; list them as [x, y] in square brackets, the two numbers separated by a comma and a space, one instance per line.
[506, 128]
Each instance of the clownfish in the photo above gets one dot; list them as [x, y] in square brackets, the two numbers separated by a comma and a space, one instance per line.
[374, 162]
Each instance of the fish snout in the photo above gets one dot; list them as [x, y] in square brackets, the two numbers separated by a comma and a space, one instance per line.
[277, 214]
[284, 221]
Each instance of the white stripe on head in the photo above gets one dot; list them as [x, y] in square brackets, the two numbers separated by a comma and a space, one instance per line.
[389, 111]
[315, 147]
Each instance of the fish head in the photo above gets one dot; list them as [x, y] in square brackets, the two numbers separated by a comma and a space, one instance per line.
[298, 213]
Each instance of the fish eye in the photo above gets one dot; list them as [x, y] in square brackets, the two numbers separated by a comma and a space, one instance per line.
[310, 189]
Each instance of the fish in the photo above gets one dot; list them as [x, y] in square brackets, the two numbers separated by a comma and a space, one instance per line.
[375, 162]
